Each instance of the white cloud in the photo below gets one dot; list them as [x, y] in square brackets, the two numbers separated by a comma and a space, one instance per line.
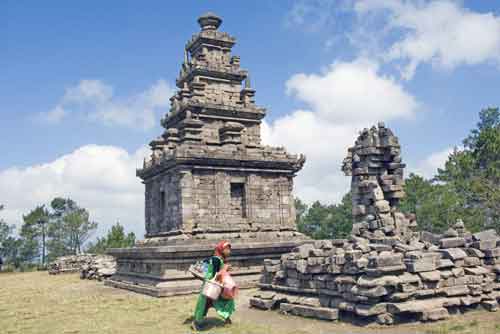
[88, 91]
[350, 92]
[95, 100]
[99, 178]
[405, 33]
[55, 115]
[313, 15]
[343, 100]
[442, 33]
[428, 167]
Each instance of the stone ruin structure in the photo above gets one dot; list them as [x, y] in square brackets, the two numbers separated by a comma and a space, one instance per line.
[210, 178]
[386, 271]
[374, 162]
[90, 266]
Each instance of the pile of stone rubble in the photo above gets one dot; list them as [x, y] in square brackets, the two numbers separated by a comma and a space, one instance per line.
[101, 267]
[69, 264]
[385, 272]
[90, 266]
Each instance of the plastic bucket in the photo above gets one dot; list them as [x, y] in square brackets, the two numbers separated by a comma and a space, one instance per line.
[230, 289]
[212, 290]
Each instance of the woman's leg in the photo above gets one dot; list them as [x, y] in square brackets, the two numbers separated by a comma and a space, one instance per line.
[208, 305]
[200, 310]
[224, 307]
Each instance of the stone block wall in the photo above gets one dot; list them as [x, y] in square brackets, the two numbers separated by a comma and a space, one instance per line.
[211, 201]
[162, 203]
[422, 281]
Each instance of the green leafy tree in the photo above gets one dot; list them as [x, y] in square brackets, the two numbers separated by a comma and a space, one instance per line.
[341, 226]
[321, 221]
[468, 185]
[5, 229]
[78, 228]
[31, 234]
[474, 172]
[437, 206]
[68, 229]
[9, 245]
[116, 238]
[10, 251]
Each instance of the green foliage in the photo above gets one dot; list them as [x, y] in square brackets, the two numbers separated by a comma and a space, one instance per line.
[468, 185]
[11, 254]
[474, 172]
[9, 245]
[68, 229]
[437, 206]
[5, 230]
[321, 221]
[31, 234]
[116, 238]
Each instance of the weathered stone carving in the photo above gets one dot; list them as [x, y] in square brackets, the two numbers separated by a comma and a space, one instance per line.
[385, 272]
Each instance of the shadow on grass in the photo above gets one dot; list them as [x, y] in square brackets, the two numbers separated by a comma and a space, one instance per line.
[207, 323]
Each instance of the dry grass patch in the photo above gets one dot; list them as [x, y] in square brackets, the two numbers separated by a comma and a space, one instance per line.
[38, 303]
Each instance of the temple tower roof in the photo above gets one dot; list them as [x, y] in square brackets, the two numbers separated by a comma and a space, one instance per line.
[209, 21]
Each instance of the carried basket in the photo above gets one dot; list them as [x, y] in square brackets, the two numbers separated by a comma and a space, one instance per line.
[199, 269]
[212, 289]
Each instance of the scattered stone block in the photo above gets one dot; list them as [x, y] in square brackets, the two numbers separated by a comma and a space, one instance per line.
[415, 306]
[485, 244]
[367, 310]
[490, 305]
[452, 242]
[262, 304]
[485, 235]
[474, 252]
[435, 314]
[385, 319]
[323, 313]
[445, 263]
[453, 253]
[432, 276]
[458, 290]
[476, 271]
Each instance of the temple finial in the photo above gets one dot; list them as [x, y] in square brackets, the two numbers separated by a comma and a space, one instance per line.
[209, 21]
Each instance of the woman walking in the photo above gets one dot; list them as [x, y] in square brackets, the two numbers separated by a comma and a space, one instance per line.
[216, 266]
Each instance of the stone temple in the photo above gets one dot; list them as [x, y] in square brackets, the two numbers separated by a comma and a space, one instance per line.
[209, 177]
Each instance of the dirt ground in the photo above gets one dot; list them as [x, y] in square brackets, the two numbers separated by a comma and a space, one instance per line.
[39, 303]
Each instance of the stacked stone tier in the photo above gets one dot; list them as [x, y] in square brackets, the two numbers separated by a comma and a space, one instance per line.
[213, 72]
[210, 38]
[215, 111]
[274, 160]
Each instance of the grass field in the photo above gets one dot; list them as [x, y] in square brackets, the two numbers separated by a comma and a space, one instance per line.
[38, 303]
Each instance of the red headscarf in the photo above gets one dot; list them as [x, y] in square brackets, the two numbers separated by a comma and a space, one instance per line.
[220, 247]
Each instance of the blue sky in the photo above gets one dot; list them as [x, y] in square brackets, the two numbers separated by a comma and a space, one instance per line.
[307, 60]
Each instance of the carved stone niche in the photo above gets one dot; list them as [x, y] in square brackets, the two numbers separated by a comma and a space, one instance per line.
[230, 133]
